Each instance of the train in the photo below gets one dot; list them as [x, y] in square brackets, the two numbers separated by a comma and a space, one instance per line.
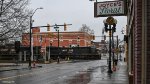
[84, 53]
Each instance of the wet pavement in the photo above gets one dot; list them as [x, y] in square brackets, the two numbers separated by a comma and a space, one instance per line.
[71, 72]
[100, 76]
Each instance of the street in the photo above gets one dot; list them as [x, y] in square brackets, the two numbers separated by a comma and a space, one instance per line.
[75, 72]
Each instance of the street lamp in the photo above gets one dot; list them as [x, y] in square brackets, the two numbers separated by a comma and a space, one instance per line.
[110, 21]
[113, 48]
[31, 36]
[78, 41]
[57, 29]
[49, 55]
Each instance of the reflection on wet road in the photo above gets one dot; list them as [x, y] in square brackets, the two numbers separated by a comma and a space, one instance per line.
[76, 72]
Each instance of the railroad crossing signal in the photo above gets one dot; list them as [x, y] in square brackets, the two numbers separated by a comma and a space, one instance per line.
[104, 37]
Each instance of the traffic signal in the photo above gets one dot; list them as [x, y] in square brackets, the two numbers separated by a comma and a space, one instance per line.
[126, 38]
[106, 27]
[104, 37]
[48, 27]
[114, 27]
[93, 37]
[65, 26]
[17, 46]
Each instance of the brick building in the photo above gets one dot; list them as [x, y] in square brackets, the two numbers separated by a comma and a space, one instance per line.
[66, 39]
[138, 41]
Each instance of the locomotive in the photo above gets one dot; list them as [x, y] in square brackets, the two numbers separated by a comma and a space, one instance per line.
[85, 53]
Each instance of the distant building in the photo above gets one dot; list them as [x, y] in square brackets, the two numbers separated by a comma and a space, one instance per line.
[66, 39]
[102, 46]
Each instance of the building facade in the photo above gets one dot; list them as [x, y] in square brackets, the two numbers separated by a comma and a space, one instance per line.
[66, 39]
[138, 45]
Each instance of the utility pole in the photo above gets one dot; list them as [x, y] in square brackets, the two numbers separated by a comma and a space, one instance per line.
[30, 36]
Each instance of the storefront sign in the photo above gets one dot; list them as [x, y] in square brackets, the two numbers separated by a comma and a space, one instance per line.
[109, 8]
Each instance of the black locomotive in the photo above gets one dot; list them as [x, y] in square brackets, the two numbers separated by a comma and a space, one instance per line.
[74, 52]
[84, 53]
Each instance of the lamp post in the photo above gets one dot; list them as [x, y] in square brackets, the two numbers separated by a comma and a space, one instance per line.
[110, 21]
[30, 54]
[49, 54]
[57, 29]
[117, 48]
[78, 41]
[113, 48]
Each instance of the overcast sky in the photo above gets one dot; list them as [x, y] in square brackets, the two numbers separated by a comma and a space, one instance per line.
[75, 12]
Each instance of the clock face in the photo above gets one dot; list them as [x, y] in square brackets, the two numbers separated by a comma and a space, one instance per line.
[110, 20]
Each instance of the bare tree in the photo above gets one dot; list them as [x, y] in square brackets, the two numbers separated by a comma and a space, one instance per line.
[87, 29]
[14, 18]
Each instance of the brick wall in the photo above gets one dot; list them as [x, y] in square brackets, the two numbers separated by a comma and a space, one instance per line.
[65, 40]
[138, 42]
[148, 42]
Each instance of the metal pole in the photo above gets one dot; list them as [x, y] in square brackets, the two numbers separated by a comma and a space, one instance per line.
[30, 36]
[32, 58]
[113, 49]
[30, 42]
[109, 64]
[117, 48]
[120, 53]
[49, 56]
[58, 48]
[58, 38]
[45, 50]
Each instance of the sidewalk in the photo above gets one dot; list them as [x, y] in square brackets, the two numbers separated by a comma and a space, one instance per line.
[119, 76]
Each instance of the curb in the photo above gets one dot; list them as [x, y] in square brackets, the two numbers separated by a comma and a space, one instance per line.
[20, 68]
[8, 70]
[39, 66]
